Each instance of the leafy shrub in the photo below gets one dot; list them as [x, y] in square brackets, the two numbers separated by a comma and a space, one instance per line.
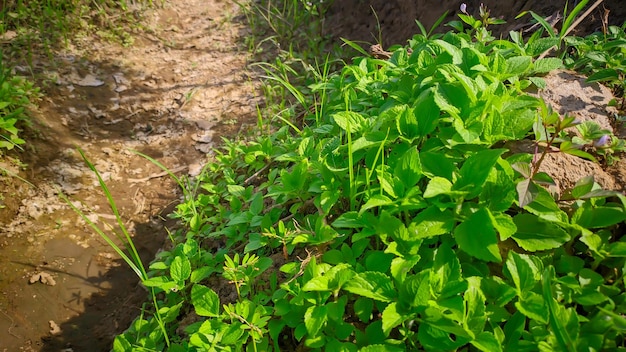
[603, 57]
[389, 218]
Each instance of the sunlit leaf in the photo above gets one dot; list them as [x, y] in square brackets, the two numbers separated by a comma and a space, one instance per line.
[477, 237]
[535, 234]
[314, 319]
[205, 301]
[372, 284]
[524, 270]
[476, 168]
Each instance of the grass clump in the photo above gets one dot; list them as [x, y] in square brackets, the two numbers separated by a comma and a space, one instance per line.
[389, 217]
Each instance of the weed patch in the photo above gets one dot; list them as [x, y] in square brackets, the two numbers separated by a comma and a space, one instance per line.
[388, 216]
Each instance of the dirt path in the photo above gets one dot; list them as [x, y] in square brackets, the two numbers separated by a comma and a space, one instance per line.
[181, 85]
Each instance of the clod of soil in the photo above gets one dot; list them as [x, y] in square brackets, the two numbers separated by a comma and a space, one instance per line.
[42, 277]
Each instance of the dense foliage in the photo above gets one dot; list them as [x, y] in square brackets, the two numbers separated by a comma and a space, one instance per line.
[389, 216]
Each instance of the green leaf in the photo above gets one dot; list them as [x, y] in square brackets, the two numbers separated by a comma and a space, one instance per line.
[236, 190]
[594, 242]
[180, 269]
[409, 169]
[517, 65]
[363, 308]
[534, 234]
[569, 148]
[618, 321]
[332, 279]
[617, 249]
[444, 103]
[333, 257]
[557, 312]
[592, 217]
[438, 337]
[372, 284]
[381, 348]
[160, 282]
[446, 279]
[474, 300]
[432, 222]
[498, 192]
[437, 186]
[533, 306]
[513, 330]
[523, 168]
[523, 270]
[544, 206]
[400, 267]
[540, 45]
[503, 223]
[349, 121]
[455, 52]
[391, 318]
[415, 292]
[201, 273]
[511, 119]
[487, 342]
[548, 64]
[205, 301]
[538, 82]
[437, 164]
[349, 219]
[497, 291]
[314, 319]
[608, 74]
[476, 168]
[378, 261]
[426, 112]
[368, 140]
[256, 205]
[376, 200]
[543, 178]
[590, 298]
[477, 237]
[406, 121]
[355, 46]
[580, 189]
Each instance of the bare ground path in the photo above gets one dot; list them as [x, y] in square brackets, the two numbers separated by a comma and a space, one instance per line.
[181, 85]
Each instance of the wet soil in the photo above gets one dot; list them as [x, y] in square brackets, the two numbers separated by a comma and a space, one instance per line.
[182, 85]
[171, 95]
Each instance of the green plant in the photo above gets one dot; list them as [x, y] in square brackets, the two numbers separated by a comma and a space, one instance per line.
[16, 95]
[388, 217]
[603, 57]
[570, 22]
[132, 259]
